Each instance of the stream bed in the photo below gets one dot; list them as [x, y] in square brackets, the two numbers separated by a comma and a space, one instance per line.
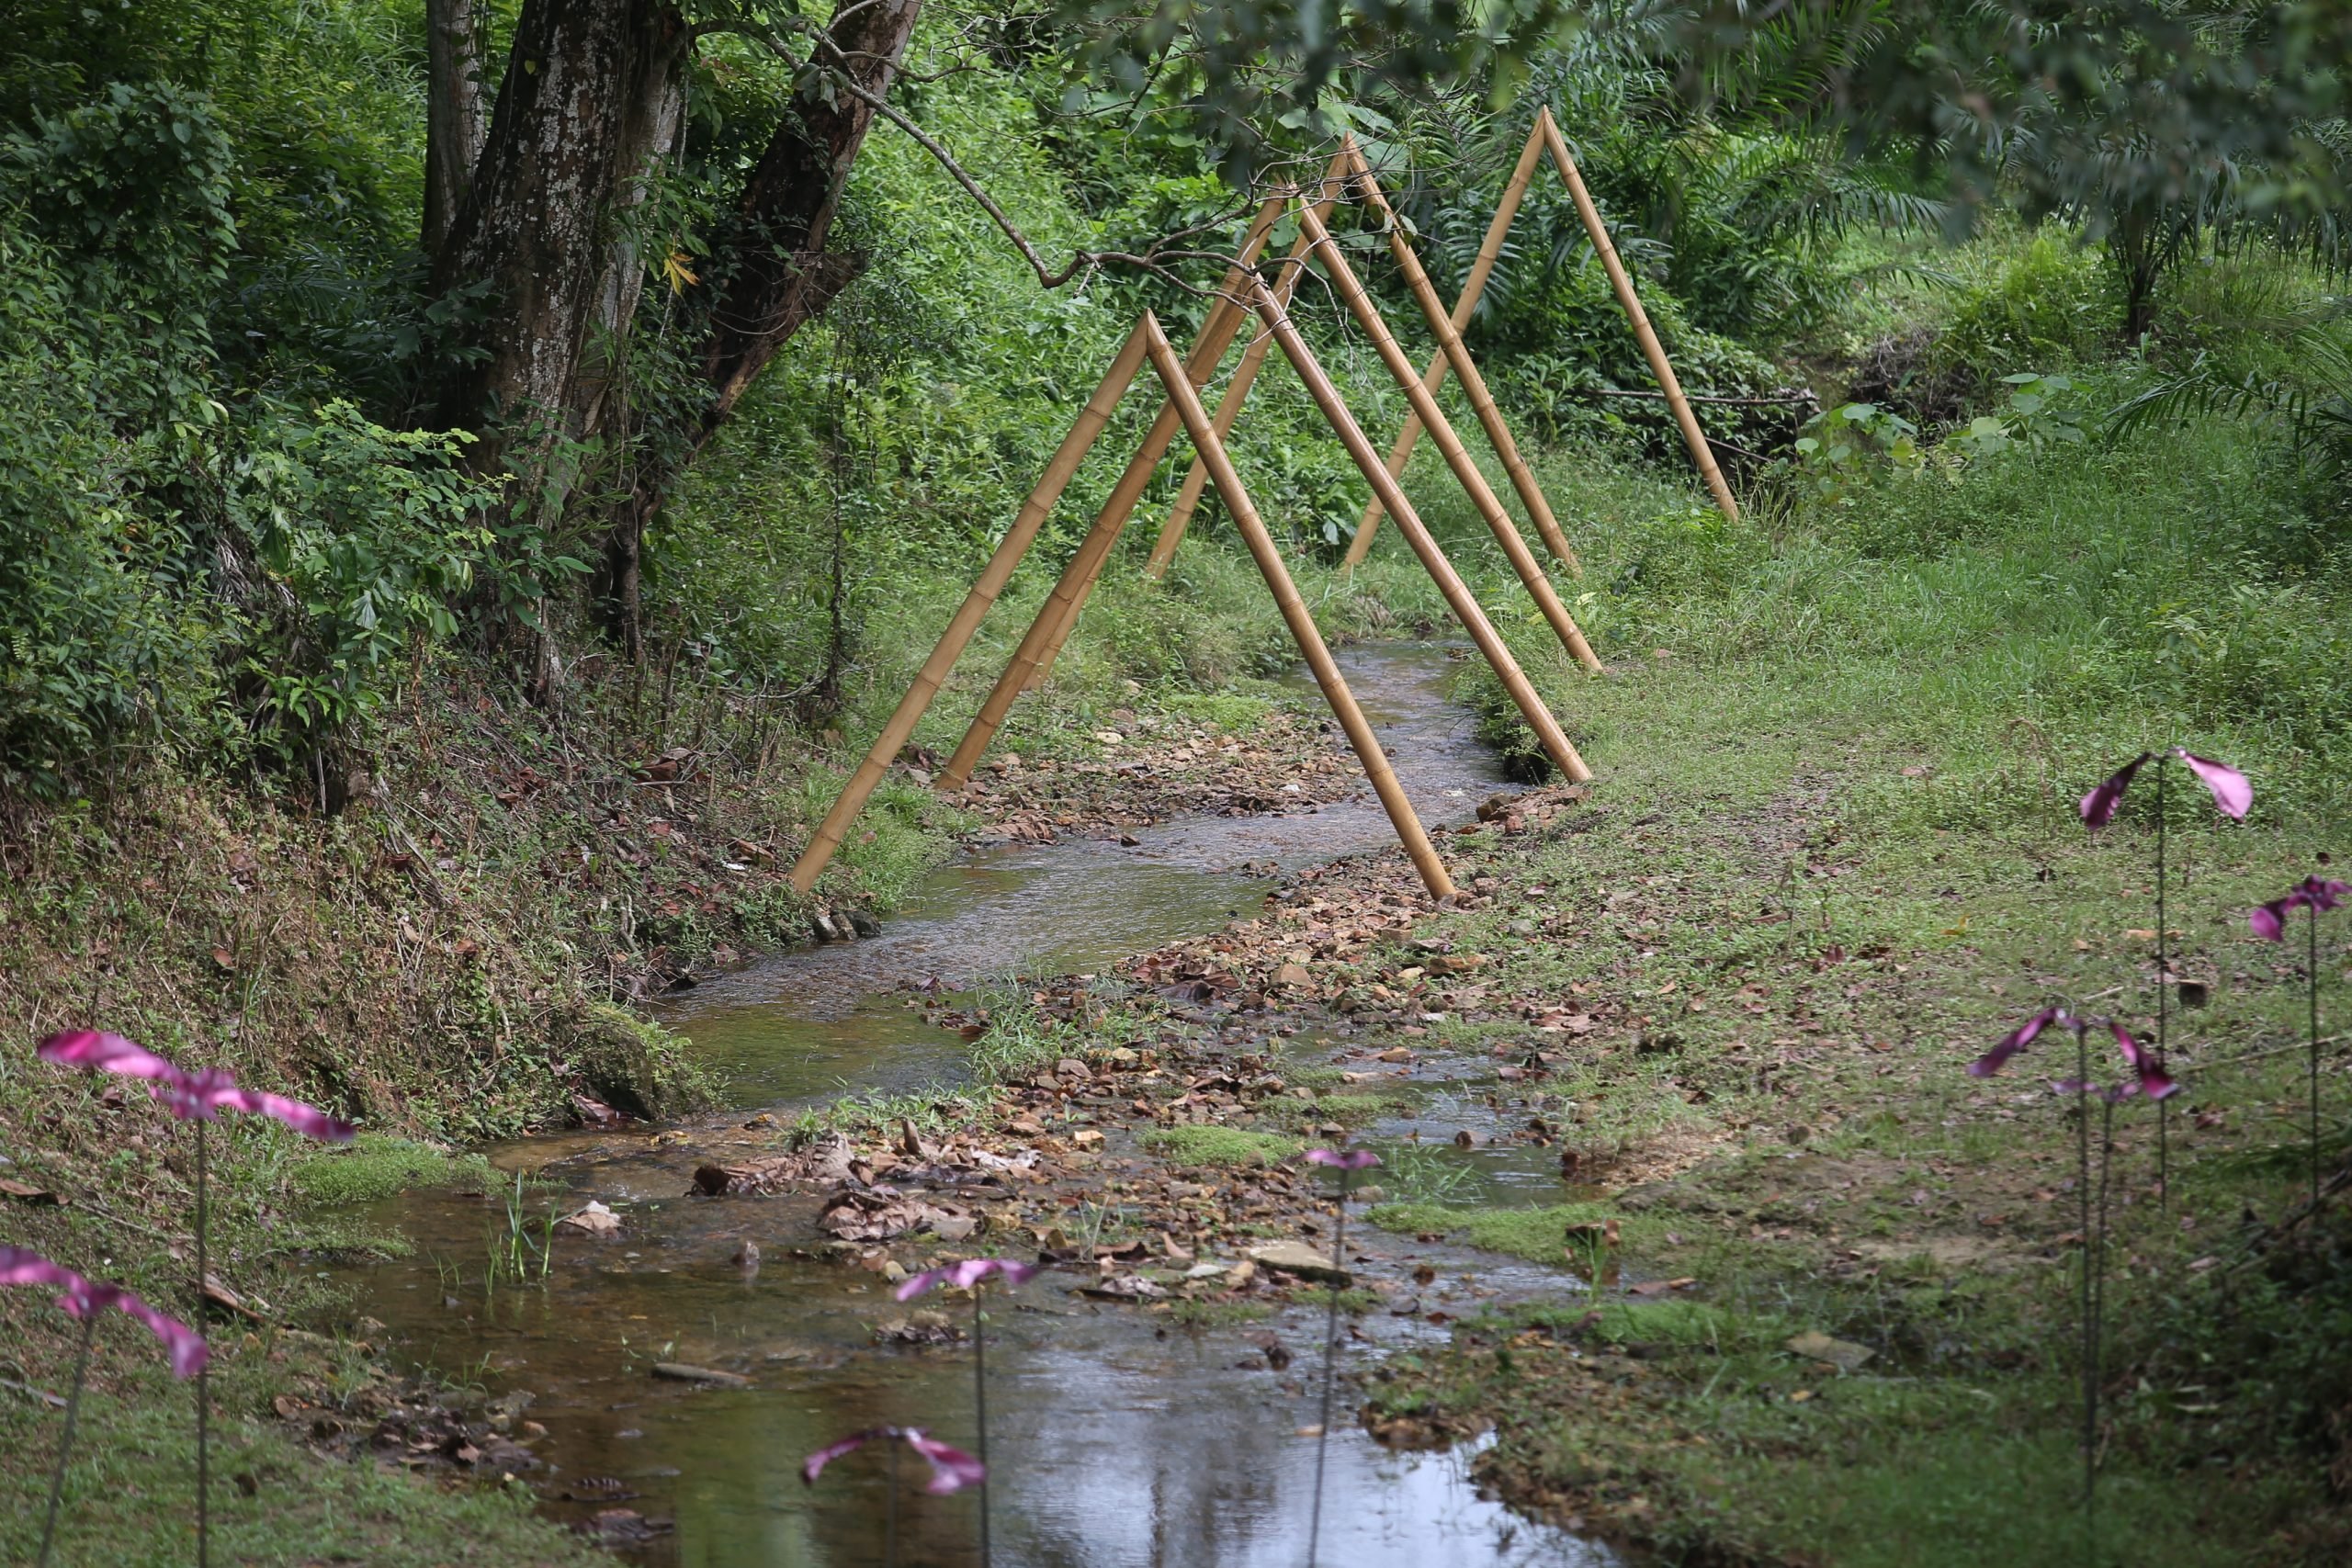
[1118, 1440]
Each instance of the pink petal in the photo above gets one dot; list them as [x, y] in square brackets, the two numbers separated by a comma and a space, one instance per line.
[2268, 921]
[187, 1349]
[305, 1118]
[2231, 791]
[1354, 1160]
[2016, 1040]
[19, 1267]
[2099, 807]
[916, 1284]
[2151, 1079]
[104, 1052]
[952, 1469]
[814, 1465]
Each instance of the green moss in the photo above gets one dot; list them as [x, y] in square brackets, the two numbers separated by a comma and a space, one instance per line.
[1538, 1235]
[376, 1166]
[635, 1064]
[1218, 1314]
[1220, 1145]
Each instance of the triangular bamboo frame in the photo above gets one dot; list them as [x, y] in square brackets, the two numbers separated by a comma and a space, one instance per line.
[1543, 136]
[1147, 342]
[1245, 293]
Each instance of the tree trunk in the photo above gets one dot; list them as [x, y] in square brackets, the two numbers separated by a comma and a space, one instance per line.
[454, 131]
[777, 282]
[770, 269]
[579, 119]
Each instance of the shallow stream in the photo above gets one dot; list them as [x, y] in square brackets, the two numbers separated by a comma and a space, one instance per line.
[1118, 1440]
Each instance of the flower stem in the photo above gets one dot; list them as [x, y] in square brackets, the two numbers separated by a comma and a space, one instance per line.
[981, 1406]
[203, 1383]
[2311, 967]
[1331, 1366]
[2164, 1000]
[2090, 1344]
[890, 1508]
[65, 1443]
[2098, 1312]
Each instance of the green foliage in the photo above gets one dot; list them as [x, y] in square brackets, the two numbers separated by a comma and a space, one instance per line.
[1847, 442]
[2041, 410]
[373, 536]
[2049, 303]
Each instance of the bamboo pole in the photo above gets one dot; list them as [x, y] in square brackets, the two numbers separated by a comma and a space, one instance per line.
[966, 619]
[1482, 495]
[1217, 332]
[1408, 523]
[1652, 350]
[1034, 659]
[1197, 423]
[1473, 384]
[1245, 374]
[1474, 288]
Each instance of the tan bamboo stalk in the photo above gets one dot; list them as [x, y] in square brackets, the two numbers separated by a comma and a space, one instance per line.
[1652, 350]
[1482, 496]
[1034, 659]
[1203, 431]
[1474, 288]
[1225, 319]
[1245, 374]
[968, 615]
[1408, 523]
[1473, 384]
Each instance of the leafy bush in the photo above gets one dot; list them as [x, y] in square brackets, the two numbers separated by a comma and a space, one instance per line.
[368, 538]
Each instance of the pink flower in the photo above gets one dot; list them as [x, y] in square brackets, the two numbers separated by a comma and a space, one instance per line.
[197, 1096]
[952, 1469]
[82, 1298]
[2231, 794]
[1353, 1159]
[2268, 921]
[966, 1274]
[2148, 1074]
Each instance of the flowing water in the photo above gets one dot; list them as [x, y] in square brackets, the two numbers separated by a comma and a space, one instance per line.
[1118, 1441]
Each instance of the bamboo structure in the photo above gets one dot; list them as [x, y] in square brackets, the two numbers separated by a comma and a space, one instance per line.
[1474, 288]
[1482, 496]
[1038, 648]
[1652, 350]
[1465, 604]
[1545, 135]
[1245, 374]
[1185, 400]
[1225, 316]
[975, 605]
[1474, 385]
